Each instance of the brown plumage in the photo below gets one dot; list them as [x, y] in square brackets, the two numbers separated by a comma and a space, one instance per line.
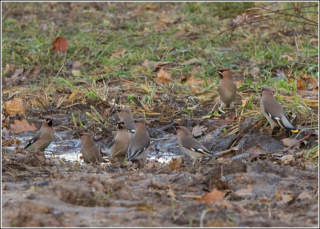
[140, 142]
[189, 145]
[119, 146]
[90, 152]
[126, 117]
[227, 89]
[43, 138]
[274, 112]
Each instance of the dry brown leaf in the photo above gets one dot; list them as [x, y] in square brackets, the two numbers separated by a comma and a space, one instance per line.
[15, 106]
[312, 81]
[145, 64]
[21, 126]
[118, 53]
[289, 58]
[254, 71]
[195, 81]
[304, 195]
[163, 78]
[12, 141]
[15, 79]
[211, 197]
[245, 192]
[197, 130]
[217, 183]
[33, 72]
[288, 142]
[161, 26]
[180, 34]
[151, 7]
[301, 85]
[256, 150]
[60, 44]
[174, 164]
[10, 68]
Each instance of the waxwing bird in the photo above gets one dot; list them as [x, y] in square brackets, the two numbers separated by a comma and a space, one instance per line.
[274, 112]
[126, 117]
[189, 145]
[43, 138]
[139, 143]
[90, 152]
[119, 146]
[227, 89]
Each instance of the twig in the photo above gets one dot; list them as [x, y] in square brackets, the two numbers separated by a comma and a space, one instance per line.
[277, 31]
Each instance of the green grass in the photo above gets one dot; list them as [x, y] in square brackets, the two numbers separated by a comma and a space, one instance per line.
[95, 36]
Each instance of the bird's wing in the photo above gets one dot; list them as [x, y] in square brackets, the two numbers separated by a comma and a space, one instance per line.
[34, 139]
[112, 143]
[277, 114]
[194, 145]
[138, 148]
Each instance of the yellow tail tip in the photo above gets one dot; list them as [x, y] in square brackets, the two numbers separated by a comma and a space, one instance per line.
[294, 131]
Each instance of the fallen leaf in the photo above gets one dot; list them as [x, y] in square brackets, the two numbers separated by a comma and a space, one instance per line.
[197, 130]
[223, 122]
[304, 195]
[10, 68]
[12, 141]
[180, 34]
[254, 71]
[301, 85]
[313, 82]
[60, 44]
[21, 126]
[289, 58]
[245, 192]
[288, 142]
[161, 26]
[211, 197]
[15, 106]
[255, 151]
[163, 78]
[151, 7]
[145, 64]
[174, 164]
[195, 81]
[217, 183]
[118, 53]
[33, 72]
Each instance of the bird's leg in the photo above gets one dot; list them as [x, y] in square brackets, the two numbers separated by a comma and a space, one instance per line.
[221, 107]
[194, 161]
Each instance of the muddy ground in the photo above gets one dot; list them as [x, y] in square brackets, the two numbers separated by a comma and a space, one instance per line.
[263, 189]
